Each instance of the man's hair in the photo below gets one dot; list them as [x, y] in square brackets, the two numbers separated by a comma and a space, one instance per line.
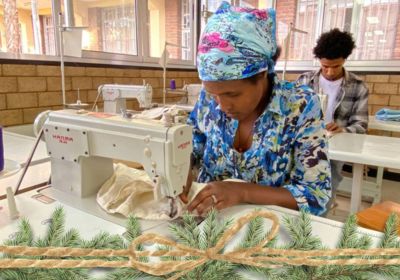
[334, 44]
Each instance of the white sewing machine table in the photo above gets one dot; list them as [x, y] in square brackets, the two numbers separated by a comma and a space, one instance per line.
[17, 148]
[389, 126]
[362, 149]
[88, 225]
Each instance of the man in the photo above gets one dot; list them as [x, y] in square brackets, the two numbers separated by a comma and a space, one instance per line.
[347, 107]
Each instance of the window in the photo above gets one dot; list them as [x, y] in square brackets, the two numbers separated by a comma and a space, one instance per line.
[375, 25]
[186, 29]
[21, 26]
[110, 25]
[48, 35]
[117, 32]
[172, 22]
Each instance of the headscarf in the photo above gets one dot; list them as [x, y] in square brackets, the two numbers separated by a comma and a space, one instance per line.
[237, 43]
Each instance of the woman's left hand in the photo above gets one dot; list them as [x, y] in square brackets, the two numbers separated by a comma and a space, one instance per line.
[217, 194]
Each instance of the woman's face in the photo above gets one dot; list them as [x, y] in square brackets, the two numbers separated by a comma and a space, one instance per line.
[238, 99]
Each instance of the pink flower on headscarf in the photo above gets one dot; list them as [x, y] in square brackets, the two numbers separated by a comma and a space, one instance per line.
[261, 14]
[214, 41]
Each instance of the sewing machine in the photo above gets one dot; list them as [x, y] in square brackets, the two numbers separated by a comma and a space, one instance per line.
[82, 147]
[115, 96]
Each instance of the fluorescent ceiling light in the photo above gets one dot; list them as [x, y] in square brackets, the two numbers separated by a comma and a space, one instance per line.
[370, 41]
[382, 40]
[372, 20]
[368, 34]
[378, 32]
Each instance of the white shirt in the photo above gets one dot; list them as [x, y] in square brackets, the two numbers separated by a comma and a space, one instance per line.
[330, 88]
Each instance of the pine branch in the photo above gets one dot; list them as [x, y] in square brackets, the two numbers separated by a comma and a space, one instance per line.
[208, 235]
[133, 229]
[54, 235]
[71, 239]
[349, 237]
[61, 274]
[390, 238]
[129, 274]
[250, 272]
[104, 240]
[300, 231]
[55, 229]
[254, 234]
[12, 274]
[188, 233]
[24, 235]
[212, 230]
[388, 272]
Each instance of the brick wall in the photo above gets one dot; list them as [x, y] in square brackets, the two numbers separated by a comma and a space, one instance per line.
[27, 90]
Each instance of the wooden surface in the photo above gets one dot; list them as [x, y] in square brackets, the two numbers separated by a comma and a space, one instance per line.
[375, 217]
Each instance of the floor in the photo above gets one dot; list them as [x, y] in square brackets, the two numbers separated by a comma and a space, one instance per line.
[390, 191]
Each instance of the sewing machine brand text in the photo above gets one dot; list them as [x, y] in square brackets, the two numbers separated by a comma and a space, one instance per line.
[184, 145]
[63, 139]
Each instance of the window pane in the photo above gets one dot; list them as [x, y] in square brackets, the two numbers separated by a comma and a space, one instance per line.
[303, 14]
[26, 27]
[212, 5]
[374, 24]
[111, 25]
[171, 21]
[259, 4]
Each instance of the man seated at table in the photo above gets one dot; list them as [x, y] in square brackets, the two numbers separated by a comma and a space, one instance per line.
[347, 107]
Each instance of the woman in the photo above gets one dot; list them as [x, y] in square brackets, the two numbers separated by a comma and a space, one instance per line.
[248, 125]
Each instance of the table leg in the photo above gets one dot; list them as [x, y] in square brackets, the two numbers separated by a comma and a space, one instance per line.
[379, 181]
[356, 187]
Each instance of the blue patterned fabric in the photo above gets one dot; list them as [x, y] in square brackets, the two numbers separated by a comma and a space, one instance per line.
[289, 147]
[386, 114]
[236, 43]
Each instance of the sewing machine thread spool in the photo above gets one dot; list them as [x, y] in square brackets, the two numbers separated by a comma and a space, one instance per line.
[12, 206]
[172, 84]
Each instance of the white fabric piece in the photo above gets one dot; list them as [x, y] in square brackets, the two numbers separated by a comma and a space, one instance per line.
[130, 191]
[157, 113]
[330, 88]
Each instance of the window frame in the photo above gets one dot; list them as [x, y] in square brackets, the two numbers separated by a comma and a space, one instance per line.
[351, 65]
[96, 57]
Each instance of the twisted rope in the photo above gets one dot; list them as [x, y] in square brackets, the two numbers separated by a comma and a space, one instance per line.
[254, 256]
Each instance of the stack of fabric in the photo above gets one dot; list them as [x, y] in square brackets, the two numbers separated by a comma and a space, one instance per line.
[386, 114]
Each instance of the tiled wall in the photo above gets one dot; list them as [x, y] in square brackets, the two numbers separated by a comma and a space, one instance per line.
[27, 90]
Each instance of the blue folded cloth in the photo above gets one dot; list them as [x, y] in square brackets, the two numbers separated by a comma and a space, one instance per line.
[388, 115]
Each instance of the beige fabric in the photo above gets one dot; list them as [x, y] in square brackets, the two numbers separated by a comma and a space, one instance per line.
[130, 191]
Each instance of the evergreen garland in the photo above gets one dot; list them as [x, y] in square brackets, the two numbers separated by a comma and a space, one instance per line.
[203, 237]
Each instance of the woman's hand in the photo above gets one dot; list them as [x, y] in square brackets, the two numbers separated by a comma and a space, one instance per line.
[219, 195]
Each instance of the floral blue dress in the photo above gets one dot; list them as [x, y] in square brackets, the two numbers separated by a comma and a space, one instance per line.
[289, 147]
